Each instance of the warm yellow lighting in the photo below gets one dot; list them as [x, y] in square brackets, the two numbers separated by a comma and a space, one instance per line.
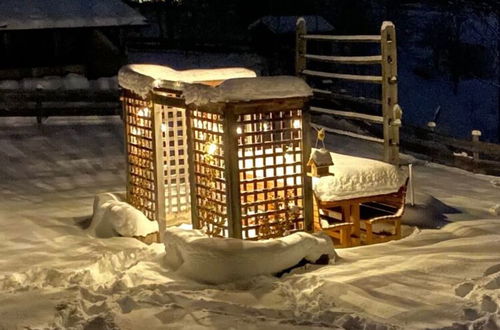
[163, 127]
[143, 112]
[265, 126]
[211, 149]
[296, 123]
[239, 130]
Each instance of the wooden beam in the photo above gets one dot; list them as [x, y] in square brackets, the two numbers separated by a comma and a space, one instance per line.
[342, 76]
[361, 60]
[348, 133]
[158, 172]
[347, 97]
[353, 38]
[300, 46]
[389, 92]
[350, 115]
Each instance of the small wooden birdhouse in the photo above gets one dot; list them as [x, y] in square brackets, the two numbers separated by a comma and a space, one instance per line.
[320, 162]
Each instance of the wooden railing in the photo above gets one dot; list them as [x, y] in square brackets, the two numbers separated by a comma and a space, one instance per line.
[391, 113]
[41, 104]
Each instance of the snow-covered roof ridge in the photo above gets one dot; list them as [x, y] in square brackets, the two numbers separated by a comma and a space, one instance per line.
[54, 14]
[286, 24]
[248, 89]
[142, 78]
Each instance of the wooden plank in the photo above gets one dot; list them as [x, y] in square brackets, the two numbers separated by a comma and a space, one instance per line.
[346, 97]
[307, 180]
[300, 46]
[347, 133]
[158, 161]
[232, 173]
[342, 76]
[389, 92]
[350, 115]
[361, 60]
[348, 38]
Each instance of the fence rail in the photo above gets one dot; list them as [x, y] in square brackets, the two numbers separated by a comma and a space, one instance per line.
[59, 103]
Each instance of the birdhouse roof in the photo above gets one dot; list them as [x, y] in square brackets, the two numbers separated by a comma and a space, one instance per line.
[321, 157]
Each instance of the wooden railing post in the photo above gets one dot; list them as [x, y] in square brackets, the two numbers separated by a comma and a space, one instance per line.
[158, 159]
[300, 46]
[389, 91]
[475, 154]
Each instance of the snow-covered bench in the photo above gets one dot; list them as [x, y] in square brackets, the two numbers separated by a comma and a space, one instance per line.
[360, 200]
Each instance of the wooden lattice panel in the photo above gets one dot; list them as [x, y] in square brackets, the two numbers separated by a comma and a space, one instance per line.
[270, 169]
[175, 160]
[140, 154]
[210, 184]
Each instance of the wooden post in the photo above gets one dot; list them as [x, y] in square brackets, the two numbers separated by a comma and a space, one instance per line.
[159, 179]
[232, 173]
[306, 179]
[475, 154]
[300, 46]
[389, 91]
[192, 177]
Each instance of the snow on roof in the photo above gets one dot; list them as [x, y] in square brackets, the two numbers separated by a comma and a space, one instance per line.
[51, 14]
[141, 78]
[286, 24]
[321, 157]
[358, 177]
[247, 89]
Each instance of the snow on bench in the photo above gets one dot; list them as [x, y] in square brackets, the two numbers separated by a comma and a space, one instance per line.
[356, 177]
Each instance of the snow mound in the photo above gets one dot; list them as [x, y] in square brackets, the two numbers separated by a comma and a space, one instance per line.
[356, 177]
[75, 81]
[113, 216]
[9, 84]
[247, 89]
[141, 78]
[219, 260]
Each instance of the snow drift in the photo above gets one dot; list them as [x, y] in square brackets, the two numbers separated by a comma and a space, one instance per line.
[114, 216]
[219, 260]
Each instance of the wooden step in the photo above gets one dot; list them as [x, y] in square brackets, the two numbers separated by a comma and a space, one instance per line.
[361, 60]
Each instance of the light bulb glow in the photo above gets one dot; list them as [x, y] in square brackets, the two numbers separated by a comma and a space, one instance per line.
[143, 112]
[296, 123]
[239, 130]
[163, 127]
[211, 149]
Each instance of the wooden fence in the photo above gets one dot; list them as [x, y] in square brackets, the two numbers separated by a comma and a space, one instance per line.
[390, 114]
[40, 104]
[471, 155]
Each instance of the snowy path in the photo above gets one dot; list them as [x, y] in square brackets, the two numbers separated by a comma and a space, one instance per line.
[54, 275]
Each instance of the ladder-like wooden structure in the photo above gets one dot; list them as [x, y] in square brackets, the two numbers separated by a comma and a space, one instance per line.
[347, 226]
[387, 60]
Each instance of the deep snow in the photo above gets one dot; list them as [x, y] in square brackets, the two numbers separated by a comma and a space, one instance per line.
[53, 274]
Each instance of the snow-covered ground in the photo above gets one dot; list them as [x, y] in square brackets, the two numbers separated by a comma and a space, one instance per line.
[54, 275]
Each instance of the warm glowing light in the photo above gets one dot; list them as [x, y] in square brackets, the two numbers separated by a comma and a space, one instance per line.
[211, 149]
[265, 126]
[143, 112]
[296, 123]
[163, 127]
[239, 130]
[133, 130]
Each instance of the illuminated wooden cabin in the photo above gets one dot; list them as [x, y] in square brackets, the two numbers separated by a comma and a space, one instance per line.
[250, 142]
[155, 123]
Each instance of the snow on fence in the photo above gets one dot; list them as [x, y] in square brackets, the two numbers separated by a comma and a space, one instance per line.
[72, 95]
[473, 155]
[386, 61]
